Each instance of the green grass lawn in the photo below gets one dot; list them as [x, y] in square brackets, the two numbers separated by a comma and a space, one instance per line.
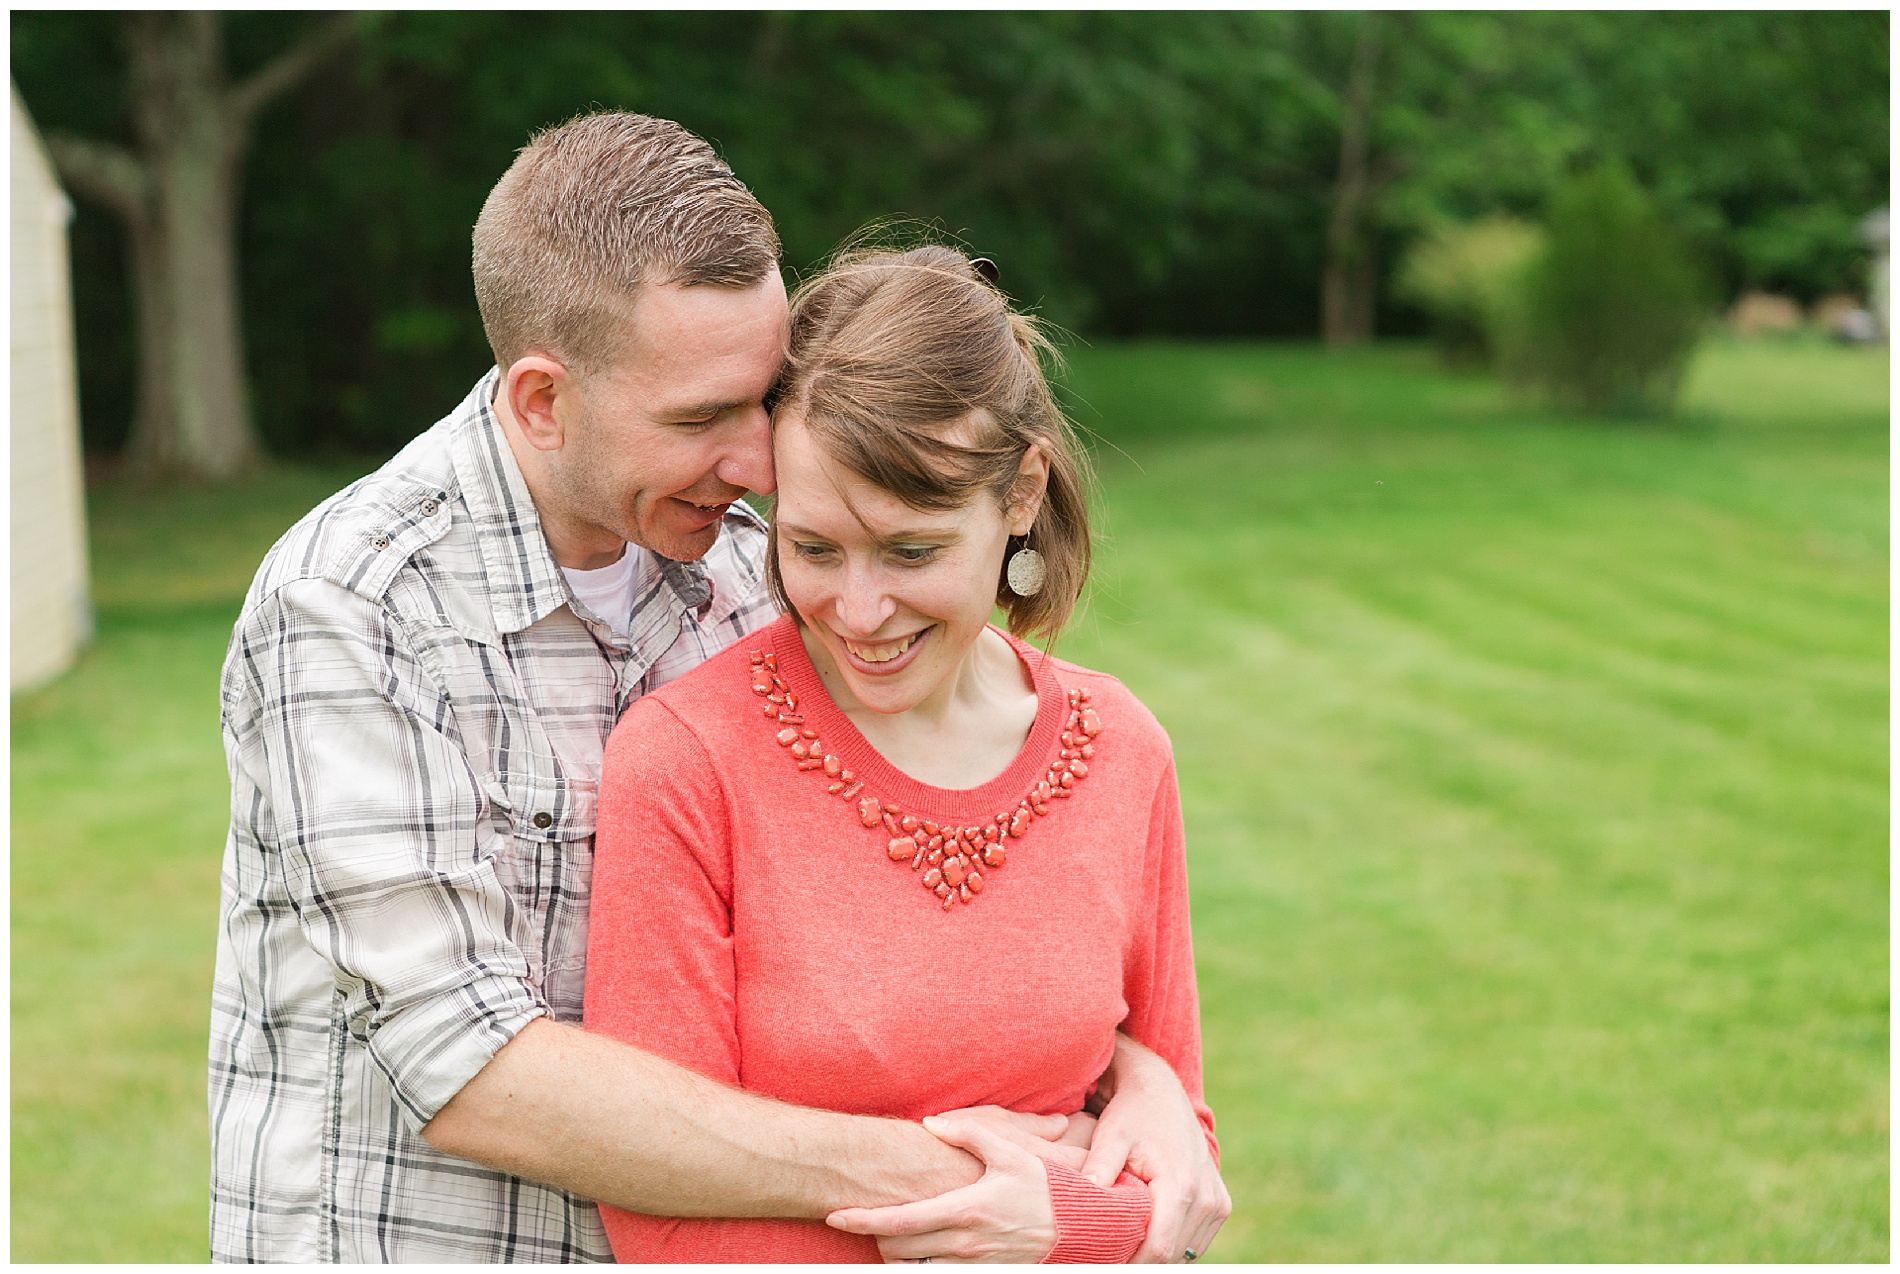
[1536, 783]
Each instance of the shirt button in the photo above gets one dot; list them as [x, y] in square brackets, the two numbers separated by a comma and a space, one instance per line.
[544, 820]
[430, 508]
[379, 541]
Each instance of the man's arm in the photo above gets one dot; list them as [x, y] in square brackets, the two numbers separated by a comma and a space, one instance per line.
[387, 850]
[613, 1123]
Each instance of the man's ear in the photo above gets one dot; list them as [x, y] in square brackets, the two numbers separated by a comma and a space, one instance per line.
[1032, 482]
[531, 386]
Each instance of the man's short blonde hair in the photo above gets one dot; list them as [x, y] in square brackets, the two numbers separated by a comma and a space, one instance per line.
[592, 210]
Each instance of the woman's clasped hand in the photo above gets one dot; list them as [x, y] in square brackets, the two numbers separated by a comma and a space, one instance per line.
[1005, 1217]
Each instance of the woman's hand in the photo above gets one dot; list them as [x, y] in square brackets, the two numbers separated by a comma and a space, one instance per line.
[1149, 1127]
[1062, 1138]
[1079, 1133]
[1004, 1218]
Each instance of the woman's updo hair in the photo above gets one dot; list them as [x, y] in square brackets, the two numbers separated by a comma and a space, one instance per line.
[911, 370]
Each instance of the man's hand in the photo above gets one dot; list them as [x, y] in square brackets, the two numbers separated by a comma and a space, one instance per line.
[1149, 1127]
[1005, 1218]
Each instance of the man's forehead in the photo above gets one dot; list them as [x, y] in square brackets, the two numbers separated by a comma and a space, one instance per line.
[659, 314]
[707, 350]
[696, 344]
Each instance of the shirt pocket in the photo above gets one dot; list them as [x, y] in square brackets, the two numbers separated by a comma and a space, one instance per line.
[546, 863]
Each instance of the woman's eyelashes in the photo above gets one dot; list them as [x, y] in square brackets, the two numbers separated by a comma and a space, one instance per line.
[900, 554]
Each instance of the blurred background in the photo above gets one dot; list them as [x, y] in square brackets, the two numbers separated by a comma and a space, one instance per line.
[1492, 418]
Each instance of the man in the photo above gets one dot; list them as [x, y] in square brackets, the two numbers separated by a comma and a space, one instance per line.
[415, 703]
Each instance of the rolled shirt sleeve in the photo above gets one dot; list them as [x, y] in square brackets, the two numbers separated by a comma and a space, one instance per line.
[386, 837]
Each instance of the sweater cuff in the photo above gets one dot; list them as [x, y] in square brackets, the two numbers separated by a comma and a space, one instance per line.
[1095, 1226]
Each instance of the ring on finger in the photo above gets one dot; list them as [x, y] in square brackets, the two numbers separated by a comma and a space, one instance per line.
[1187, 1254]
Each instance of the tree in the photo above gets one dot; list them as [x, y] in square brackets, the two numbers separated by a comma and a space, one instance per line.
[1346, 289]
[1614, 302]
[1133, 173]
[176, 190]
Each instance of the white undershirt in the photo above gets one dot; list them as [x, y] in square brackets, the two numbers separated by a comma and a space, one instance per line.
[608, 592]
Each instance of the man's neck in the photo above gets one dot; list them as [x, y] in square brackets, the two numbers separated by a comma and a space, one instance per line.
[574, 545]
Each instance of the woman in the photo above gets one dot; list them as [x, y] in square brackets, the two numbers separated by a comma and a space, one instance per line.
[883, 857]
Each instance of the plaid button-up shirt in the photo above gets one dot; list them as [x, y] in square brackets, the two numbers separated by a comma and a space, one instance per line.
[415, 707]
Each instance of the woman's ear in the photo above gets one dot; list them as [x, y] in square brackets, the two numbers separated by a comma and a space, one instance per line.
[1032, 482]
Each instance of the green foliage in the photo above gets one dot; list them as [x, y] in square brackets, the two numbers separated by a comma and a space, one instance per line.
[1469, 278]
[1806, 250]
[1759, 132]
[1614, 303]
[1133, 172]
[1535, 777]
[1739, 120]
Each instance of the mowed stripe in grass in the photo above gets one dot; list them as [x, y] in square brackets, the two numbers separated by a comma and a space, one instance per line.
[1535, 782]
[1534, 774]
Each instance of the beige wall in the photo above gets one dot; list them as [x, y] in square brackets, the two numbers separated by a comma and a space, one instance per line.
[51, 612]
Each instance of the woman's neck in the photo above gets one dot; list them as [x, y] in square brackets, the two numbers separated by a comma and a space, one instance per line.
[968, 730]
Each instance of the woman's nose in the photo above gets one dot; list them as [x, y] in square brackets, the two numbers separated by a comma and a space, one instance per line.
[863, 605]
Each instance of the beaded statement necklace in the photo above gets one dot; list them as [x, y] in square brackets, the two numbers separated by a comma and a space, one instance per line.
[950, 858]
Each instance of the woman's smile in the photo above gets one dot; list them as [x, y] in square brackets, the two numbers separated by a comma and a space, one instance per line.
[882, 659]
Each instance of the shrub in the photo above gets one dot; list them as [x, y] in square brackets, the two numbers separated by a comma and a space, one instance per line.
[1614, 303]
[1468, 277]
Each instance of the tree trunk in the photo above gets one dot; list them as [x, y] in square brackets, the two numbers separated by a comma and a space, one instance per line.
[1362, 286]
[1347, 286]
[177, 193]
[202, 425]
[148, 441]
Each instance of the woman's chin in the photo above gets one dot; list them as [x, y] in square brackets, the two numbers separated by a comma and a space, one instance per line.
[889, 695]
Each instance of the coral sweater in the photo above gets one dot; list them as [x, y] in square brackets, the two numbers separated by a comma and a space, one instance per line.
[746, 924]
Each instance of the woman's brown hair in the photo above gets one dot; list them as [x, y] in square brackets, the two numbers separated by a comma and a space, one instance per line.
[911, 370]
